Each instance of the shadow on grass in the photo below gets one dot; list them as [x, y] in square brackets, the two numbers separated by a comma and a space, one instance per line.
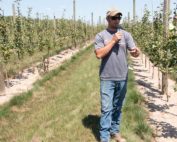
[92, 122]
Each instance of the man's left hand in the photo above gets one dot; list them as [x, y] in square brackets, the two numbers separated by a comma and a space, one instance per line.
[135, 52]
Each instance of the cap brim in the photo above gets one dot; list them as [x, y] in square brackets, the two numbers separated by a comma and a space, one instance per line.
[114, 14]
[117, 13]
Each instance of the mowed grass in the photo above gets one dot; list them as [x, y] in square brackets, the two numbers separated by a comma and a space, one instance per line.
[65, 107]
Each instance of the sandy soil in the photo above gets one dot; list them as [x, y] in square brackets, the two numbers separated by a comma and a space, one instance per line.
[162, 114]
[25, 81]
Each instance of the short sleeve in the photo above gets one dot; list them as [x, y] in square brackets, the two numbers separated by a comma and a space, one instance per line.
[129, 41]
[99, 42]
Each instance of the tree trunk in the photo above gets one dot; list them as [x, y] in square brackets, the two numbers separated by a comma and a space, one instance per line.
[149, 66]
[142, 58]
[165, 84]
[152, 71]
[2, 84]
[159, 78]
[134, 11]
[145, 61]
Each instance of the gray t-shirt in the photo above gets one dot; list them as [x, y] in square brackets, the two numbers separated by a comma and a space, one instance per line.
[114, 65]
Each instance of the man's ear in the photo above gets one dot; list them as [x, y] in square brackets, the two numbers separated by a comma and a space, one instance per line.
[107, 18]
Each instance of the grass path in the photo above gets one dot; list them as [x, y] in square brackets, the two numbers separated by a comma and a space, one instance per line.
[66, 108]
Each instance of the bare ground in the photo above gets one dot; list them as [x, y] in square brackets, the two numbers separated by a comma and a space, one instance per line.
[162, 114]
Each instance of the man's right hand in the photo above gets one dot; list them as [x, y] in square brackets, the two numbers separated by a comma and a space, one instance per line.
[102, 52]
[117, 37]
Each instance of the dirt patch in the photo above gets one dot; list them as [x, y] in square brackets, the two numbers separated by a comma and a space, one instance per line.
[162, 114]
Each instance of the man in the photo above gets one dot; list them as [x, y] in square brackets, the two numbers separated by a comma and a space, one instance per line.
[111, 47]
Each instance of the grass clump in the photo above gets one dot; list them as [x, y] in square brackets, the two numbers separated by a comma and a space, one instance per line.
[134, 115]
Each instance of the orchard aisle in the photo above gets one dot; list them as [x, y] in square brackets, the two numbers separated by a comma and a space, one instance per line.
[162, 114]
[25, 82]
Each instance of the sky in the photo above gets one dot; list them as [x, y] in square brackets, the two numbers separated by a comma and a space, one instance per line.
[84, 8]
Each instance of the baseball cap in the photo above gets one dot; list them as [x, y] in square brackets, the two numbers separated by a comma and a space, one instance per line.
[113, 12]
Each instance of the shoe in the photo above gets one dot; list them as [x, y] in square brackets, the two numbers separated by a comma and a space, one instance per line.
[117, 137]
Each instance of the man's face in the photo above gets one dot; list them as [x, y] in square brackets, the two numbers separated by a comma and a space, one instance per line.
[114, 21]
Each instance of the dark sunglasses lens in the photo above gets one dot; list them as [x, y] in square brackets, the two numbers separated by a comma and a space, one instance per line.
[116, 18]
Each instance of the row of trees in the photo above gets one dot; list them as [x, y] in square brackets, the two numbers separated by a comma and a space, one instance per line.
[25, 35]
[22, 37]
[159, 49]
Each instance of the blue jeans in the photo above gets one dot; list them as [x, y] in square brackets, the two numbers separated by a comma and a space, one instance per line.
[112, 97]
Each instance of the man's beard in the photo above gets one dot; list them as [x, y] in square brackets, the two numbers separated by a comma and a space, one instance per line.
[115, 26]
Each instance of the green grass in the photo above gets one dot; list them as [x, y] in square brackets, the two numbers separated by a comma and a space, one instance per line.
[134, 115]
[22, 98]
[65, 107]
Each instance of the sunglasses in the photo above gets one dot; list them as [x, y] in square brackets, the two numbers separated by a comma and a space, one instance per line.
[116, 18]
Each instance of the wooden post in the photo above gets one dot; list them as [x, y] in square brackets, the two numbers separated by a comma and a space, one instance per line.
[165, 36]
[74, 10]
[74, 19]
[92, 18]
[99, 20]
[54, 23]
[14, 13]
[92, 23]
[128, 19]
[134, 10]
[54, 32]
